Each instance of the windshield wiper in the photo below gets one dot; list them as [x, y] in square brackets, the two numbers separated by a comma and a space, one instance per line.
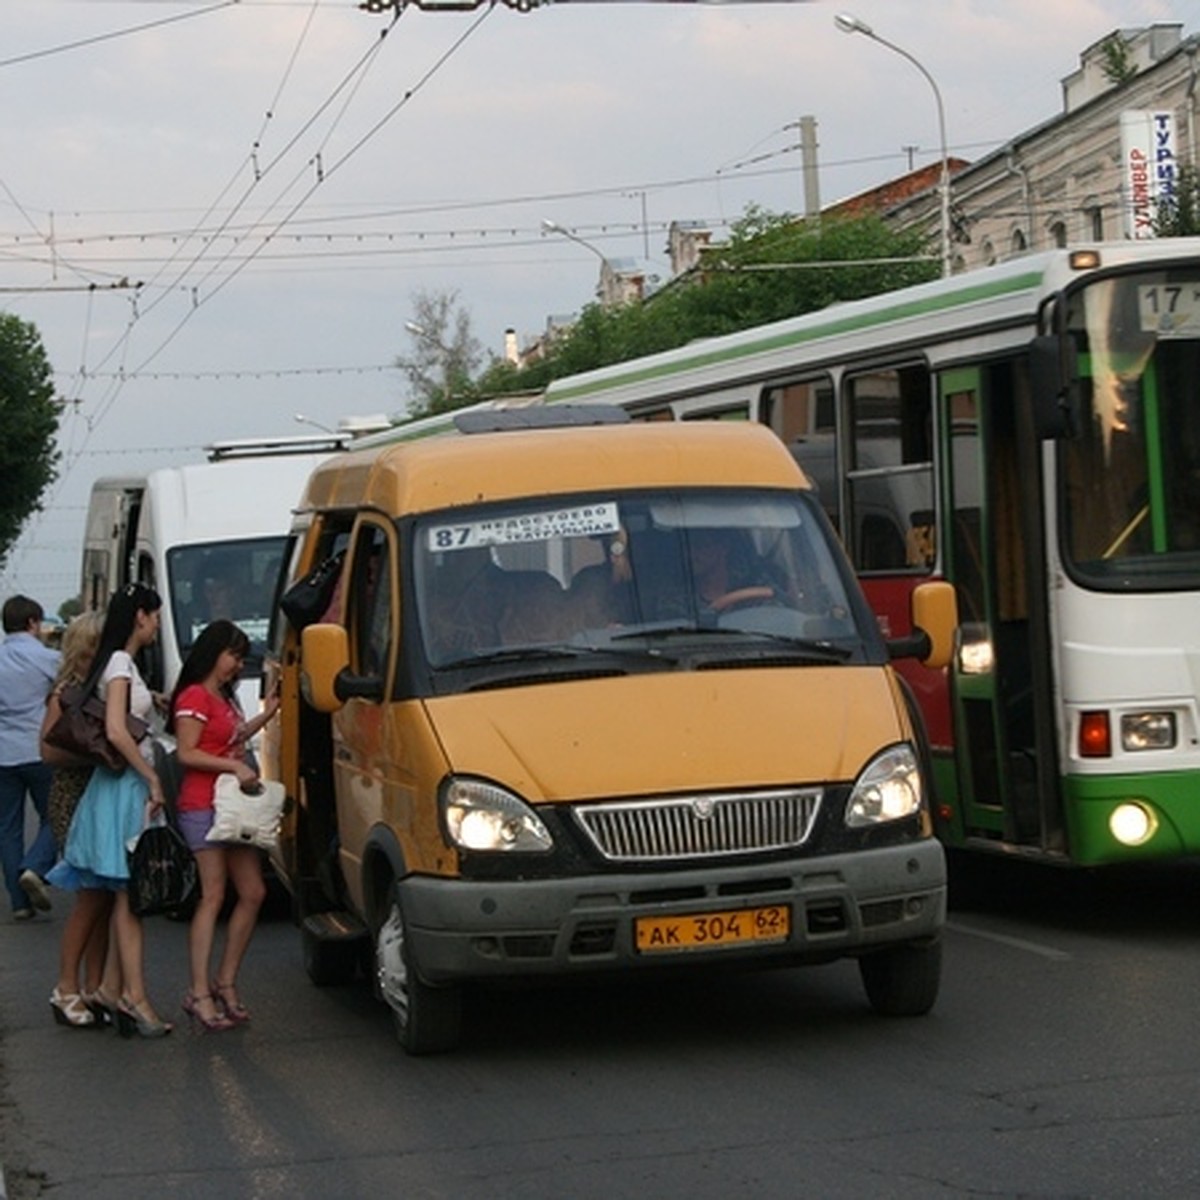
[512, 654]
[805, 647]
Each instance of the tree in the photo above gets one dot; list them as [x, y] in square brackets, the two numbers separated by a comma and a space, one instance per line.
[28, 426]
[1179, 214]
[773, 266]
[445, 354]
[1117, 65]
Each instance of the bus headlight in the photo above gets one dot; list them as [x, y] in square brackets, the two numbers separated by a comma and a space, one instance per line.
[482, 816]
[888, 789]
[1148, 731]
[1132, 824]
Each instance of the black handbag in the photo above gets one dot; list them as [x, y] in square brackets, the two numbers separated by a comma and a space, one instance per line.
[162, 874]
[305, 602]
[81, 730]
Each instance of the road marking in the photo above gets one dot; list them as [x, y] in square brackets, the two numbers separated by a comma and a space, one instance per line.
[1014, 942]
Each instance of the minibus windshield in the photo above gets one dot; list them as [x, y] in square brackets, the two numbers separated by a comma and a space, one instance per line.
[593, 572]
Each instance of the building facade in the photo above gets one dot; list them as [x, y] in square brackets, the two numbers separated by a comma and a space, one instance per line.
[1097, 171]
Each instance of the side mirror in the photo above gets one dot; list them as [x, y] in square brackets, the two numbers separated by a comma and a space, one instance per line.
[934, 609]
[1054, 382]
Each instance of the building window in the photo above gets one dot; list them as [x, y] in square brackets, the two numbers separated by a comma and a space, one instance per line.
[1094, 217]
[988, 252]
[1018, 243]
[1058, 234]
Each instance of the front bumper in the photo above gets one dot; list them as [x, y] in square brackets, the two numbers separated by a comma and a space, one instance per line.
[840, 904]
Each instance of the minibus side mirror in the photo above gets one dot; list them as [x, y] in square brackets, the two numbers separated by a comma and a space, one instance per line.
[934, 609]
[1054, 380]
[325, 677]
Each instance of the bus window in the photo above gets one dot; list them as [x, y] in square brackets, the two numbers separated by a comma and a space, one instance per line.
[738, 413]
[891, 524]
[801, 415]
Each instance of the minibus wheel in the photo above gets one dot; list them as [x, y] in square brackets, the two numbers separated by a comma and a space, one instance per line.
[903, 981]
[428, 1020]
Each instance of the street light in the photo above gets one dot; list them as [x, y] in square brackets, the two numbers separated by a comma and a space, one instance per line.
[315, 424]
[549, 226]
[851, 24]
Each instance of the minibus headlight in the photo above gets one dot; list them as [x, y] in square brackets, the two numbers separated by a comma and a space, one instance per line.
[484, 817]
[888, 789]
[1148, 731]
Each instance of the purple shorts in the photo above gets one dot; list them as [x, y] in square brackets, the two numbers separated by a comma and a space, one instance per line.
[194, 824]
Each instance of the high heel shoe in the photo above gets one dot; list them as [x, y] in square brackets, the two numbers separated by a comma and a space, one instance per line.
[101, 1007]
[217, 1023]
[237, 1012]
[69, 1009]
[131, 1019]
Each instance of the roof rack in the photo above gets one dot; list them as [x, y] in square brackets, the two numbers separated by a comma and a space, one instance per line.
[305, 443]
[536, 417]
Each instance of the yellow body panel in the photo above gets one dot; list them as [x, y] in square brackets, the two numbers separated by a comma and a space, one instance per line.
[656, 734]
[413, 477]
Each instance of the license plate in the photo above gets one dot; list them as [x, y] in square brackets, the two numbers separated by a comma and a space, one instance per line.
[712, 930]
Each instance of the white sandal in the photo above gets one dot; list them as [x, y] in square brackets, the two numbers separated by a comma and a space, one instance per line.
[70, 1009]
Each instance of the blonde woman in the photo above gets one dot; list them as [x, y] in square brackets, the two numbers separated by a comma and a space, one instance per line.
[85, 934]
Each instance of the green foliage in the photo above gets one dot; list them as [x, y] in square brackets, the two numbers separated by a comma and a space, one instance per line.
[28, 426]
[1117, 66]
[1180, 215]
[70, 608]
[445, 355]
[772, 267]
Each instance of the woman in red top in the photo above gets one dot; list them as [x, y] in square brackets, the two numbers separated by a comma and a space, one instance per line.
[211, 733]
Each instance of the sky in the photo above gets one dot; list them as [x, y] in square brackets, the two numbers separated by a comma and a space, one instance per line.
[218, 214]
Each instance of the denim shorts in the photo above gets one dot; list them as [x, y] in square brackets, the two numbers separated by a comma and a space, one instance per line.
[194, 824]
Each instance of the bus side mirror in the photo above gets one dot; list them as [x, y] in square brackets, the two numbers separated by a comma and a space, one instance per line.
[934, 609]
[1054, 382]
[326, 680]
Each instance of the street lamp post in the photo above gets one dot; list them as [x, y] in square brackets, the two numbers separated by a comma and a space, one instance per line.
[851, 24]
[549, 226]
[315, 424]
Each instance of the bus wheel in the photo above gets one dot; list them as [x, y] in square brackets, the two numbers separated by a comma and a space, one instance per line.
[902, 981]
[428, 1020]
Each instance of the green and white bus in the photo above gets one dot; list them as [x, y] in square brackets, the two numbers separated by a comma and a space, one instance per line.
[1030, 432]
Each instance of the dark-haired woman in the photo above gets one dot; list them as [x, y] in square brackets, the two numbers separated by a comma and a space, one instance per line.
[211, 736]
[116, 805]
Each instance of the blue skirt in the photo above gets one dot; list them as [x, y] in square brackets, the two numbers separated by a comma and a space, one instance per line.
[108, 819]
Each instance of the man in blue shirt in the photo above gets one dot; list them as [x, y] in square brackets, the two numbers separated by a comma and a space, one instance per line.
[27, 672]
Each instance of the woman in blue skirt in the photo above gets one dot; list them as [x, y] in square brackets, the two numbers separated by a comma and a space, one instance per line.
[116, 805]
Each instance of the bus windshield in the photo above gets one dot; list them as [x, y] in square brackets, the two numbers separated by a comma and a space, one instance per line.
[598, 571]
[235, 580]
[1131, 490]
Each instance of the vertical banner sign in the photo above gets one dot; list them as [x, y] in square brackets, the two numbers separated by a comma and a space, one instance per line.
[1148, 168]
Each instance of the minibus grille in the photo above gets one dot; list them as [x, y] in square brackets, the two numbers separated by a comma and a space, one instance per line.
[699, 826]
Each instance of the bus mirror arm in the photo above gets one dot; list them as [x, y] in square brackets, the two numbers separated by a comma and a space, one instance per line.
[917, 644]
[348, 686]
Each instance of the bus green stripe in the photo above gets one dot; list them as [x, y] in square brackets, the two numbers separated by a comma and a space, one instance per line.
[968, 294]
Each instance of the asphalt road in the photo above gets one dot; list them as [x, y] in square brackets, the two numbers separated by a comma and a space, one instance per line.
[1061, 1061]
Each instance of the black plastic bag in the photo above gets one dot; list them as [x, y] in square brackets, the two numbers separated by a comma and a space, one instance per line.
[162, 874]
[305, 602]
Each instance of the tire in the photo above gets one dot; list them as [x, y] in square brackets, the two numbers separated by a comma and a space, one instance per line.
[903, 981]
[428, 1020]
[328, 963]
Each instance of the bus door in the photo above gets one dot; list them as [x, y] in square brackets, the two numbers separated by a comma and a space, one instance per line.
[1000, 689]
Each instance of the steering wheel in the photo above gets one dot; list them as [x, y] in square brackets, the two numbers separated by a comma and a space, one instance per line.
[740, 596]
